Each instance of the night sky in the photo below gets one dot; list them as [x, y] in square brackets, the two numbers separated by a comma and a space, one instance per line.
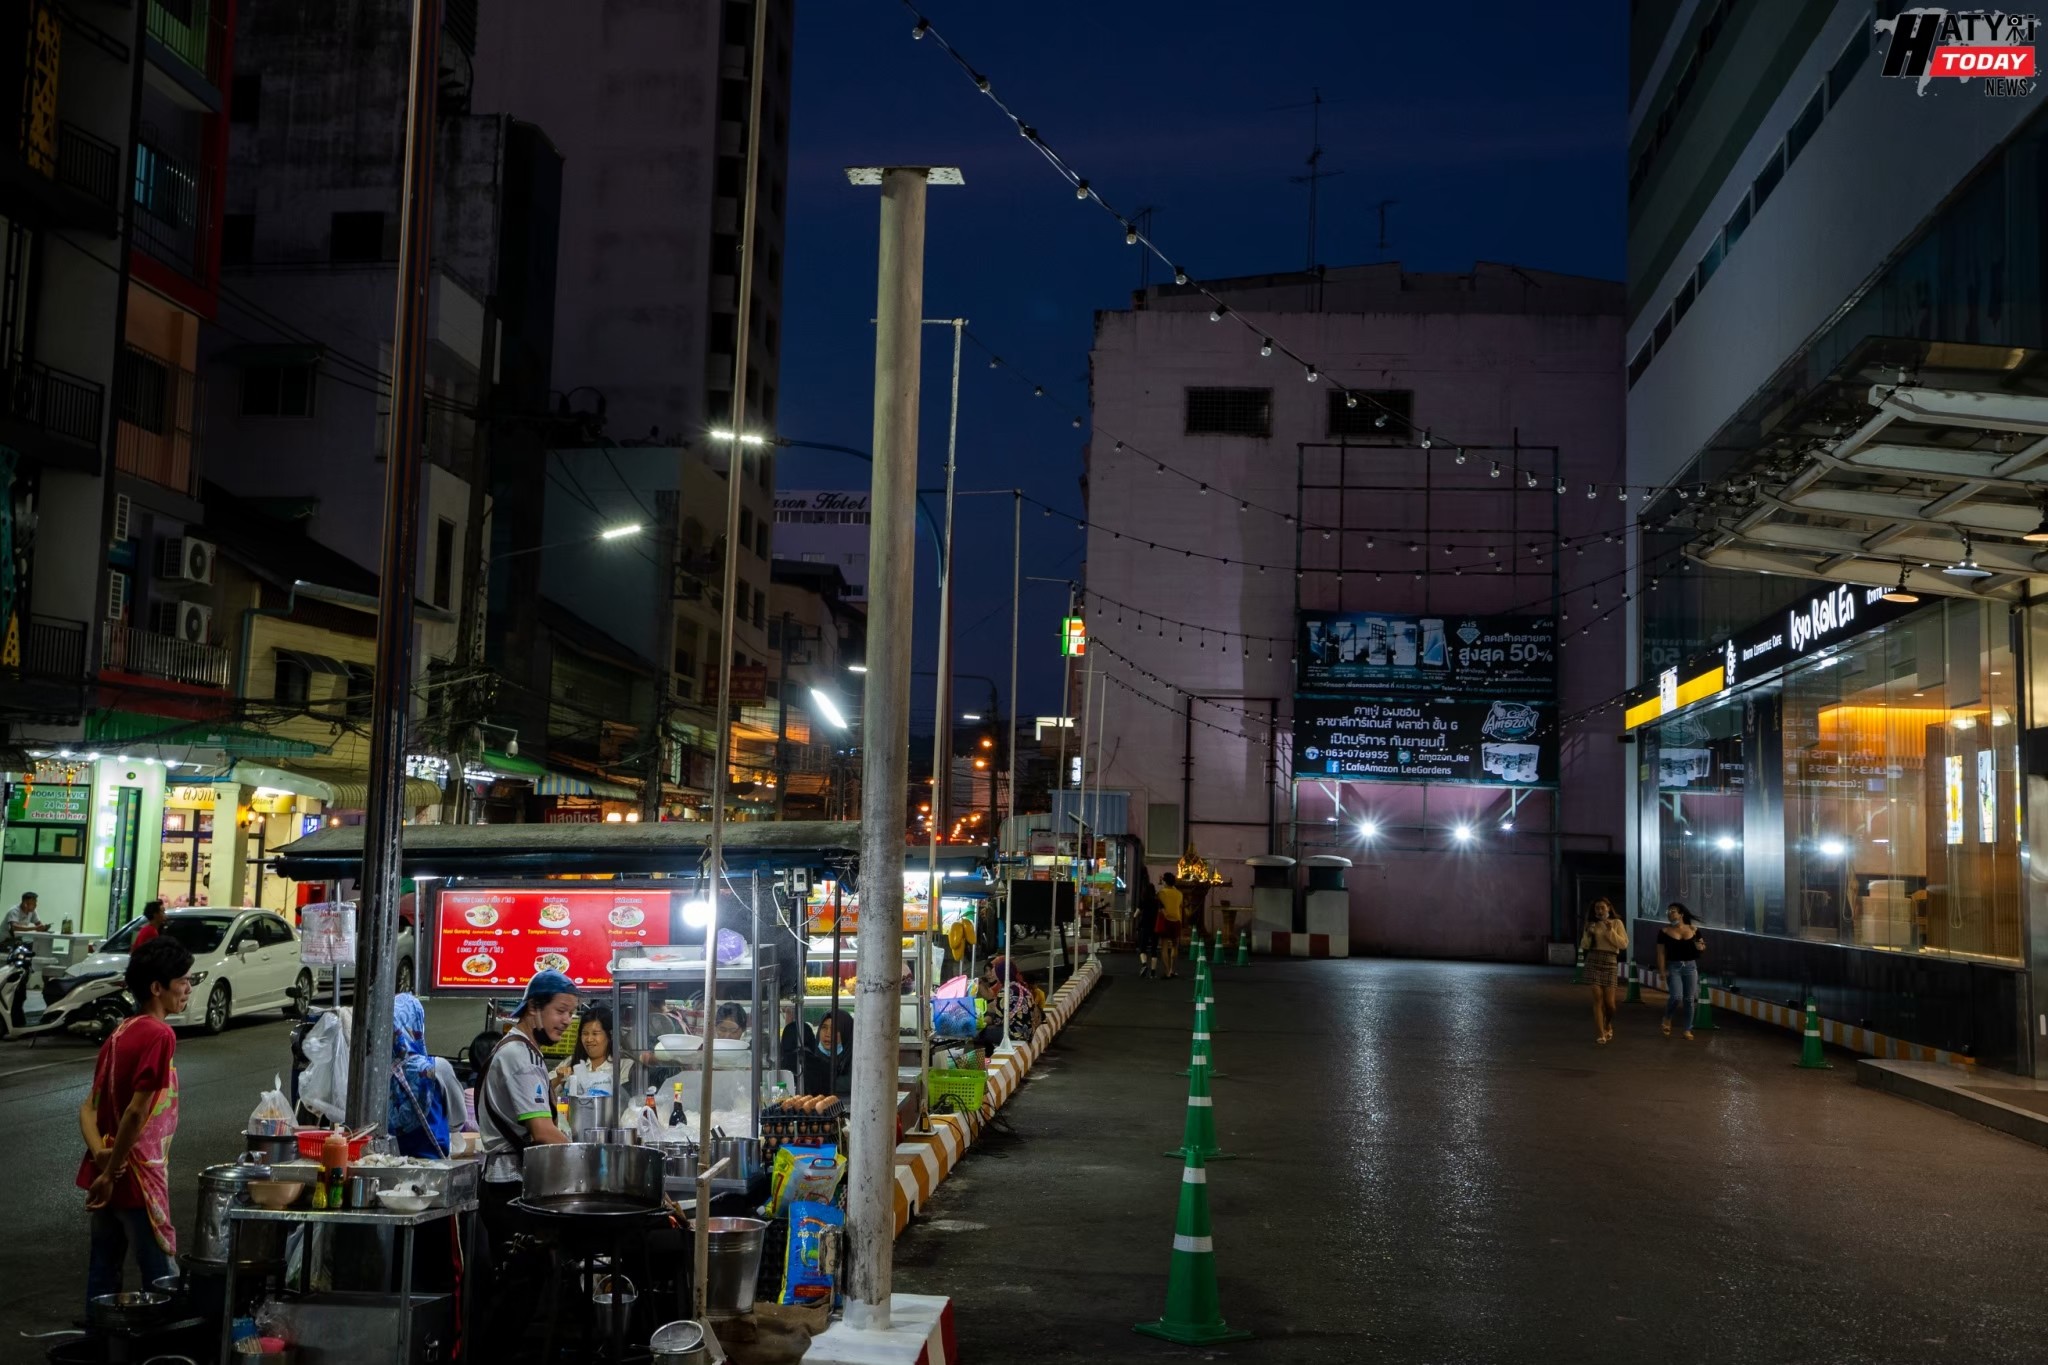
[1498, 128]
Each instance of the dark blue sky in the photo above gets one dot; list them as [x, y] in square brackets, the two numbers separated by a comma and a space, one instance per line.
[1497, 126]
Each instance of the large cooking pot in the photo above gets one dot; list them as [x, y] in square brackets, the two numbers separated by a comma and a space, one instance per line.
[259, 1245]
[576, 1176]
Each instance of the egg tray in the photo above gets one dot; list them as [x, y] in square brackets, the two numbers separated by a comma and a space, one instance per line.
[781, 1124]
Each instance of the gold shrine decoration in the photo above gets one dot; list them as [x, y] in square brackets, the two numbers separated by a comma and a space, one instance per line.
[1193, 870]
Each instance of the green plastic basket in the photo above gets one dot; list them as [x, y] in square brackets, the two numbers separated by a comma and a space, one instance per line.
[957, 1091]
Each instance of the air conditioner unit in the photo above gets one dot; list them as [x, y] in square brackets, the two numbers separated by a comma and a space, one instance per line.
[186, 560]
[118, 531]
[117, 595]
[191, 622]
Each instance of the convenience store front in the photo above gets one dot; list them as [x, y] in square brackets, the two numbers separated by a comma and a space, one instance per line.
[1838, 794]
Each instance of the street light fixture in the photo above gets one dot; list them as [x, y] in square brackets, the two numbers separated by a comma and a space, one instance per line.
[606, 533]
[751, 438]
[828, 710]
[1463, 834]
[856, 668]
[619, 532]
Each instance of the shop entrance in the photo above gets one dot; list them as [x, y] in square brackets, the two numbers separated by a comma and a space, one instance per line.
[127, 840]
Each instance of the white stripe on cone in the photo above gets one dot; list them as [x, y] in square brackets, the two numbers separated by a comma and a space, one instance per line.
[1190, 1175]
[1199, 1245]
[1201, 1037]
[1199, 1102]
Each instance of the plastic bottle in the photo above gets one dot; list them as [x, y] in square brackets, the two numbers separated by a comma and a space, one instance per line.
[333, 1167]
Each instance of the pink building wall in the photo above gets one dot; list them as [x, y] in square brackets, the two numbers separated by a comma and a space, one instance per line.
[1489, 356]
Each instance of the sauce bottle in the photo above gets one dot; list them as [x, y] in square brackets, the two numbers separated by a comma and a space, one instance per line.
[334, 1166]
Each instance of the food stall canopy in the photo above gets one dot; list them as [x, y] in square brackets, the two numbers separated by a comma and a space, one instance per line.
[672, 846]
[571, 784]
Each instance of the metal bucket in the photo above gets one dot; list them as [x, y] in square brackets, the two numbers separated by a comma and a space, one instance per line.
[613, 1299]
[735, 1264]
[680, 1343]
[743, 1153]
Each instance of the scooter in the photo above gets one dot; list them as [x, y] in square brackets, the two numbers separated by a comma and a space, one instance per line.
[94, 1008]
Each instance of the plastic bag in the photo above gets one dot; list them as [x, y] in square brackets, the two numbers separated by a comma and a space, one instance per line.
[323, 1085]
[273, 1106]
[953, 1018]
[807, 1276]
[807, 1174]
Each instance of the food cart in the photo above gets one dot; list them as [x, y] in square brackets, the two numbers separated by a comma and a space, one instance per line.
[629, 914]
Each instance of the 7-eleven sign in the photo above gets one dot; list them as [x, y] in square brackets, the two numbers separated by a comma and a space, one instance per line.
[1073, 636]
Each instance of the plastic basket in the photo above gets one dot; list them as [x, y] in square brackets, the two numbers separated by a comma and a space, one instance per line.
[957, 1091]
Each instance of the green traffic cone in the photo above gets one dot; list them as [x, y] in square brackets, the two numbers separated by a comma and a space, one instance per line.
[1635, 986]
[1195, 948]
[1216, 945]
[1194, 1311]
[1811, 1056]
[1201, 979]
[1703, 1011]
[1244, 948]
[1198, 1137]
[1200, 1055]
[1579, 969]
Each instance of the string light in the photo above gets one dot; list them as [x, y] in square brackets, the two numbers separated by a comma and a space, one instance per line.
[1266, 346]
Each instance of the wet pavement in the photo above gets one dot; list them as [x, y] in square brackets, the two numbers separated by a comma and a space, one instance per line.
[42, 1255]
[1438, 1164]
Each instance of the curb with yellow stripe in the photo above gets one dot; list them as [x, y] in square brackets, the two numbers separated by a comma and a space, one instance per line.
[924, 1160]
[1869, 1042]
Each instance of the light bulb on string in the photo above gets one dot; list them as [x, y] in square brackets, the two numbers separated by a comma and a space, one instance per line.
[1080, 189]
[1459, 458]
[1311, 374]
[1216, 313]
[1077, 424]
[1426, 442]
[1161, 469]
[1130, 234]
[1350, 400]
[1532, 480]
[1380, 421]
[1266, 346]
[1369, 542]
[1495, 471]
[1179, 276]
[1621, 494]
[1591, 491]
[1038, 390]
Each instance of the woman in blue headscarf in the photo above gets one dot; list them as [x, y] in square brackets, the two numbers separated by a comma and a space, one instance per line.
[419, 1107]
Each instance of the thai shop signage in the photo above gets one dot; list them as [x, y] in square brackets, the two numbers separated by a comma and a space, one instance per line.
[1384, 654]
[1492, 743]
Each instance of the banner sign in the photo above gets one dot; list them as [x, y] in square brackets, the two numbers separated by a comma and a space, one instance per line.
[1384, 654]
[493, 941]
[1493, 743]
[51, 802]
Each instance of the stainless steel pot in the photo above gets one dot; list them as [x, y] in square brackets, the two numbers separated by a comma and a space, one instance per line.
[260, 1245]
[588, 1113]
[744, 1155]
[577, 1172]
[270, 1147]
[680, 1158]
[134, 1311]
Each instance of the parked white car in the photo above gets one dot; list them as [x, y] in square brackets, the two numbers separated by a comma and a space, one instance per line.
[243, 961]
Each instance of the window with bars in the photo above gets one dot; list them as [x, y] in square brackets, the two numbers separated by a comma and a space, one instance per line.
[1229, 412]
[1381, 415]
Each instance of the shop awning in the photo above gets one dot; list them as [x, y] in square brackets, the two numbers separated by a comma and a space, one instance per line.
[340, 788]
[570, 784]
[315, 663]
[283, 779]
[132, 727]
[673, 846]
[511, 765]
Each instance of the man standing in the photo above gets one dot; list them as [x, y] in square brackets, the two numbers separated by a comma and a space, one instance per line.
[128, 1121]
[21, 920]
[513, 1113]
[152, 924]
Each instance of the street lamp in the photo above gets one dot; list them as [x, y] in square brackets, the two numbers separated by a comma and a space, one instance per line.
[751, 438]
[833, 716]
[624, 532]
[619, 532]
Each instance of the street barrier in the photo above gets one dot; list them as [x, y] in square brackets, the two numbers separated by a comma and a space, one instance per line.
[1635, 986]
[1811, 1055]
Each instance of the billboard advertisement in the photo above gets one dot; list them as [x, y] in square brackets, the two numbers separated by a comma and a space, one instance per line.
[493, 940]
[1388, 654]
[1491, 743]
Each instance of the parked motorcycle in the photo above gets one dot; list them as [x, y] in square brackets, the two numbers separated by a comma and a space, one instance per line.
[93, 1007]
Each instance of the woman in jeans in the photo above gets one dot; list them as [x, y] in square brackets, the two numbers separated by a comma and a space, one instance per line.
[1679, 945]
[1604, 941]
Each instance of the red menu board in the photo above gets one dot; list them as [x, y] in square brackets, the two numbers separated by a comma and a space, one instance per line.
[494, 940]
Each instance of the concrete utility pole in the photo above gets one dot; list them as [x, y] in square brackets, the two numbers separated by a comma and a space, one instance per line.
[721, 768]
[885, 735]
[782, 723]
[369, 1062]
[942, 726]
[464, 702]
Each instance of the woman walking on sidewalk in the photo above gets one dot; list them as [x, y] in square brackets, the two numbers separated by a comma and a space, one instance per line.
[1604, 942]
[1169, 921]
[1145, 923]
[1679, 945]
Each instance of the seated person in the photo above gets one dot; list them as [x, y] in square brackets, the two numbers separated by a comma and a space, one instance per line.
[829, 1070]
[595, 1066]
[731, 1021]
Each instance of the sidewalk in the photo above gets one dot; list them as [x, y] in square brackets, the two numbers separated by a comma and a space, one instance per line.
[1437, 1163]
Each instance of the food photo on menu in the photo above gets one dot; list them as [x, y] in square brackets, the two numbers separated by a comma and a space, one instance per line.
[571, 931]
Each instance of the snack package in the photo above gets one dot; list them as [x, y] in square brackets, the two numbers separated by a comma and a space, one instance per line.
[807, 1275]
[810, 1174]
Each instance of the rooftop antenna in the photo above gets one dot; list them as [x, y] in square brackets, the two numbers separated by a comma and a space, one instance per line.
[1382, 207]
[1316, 174]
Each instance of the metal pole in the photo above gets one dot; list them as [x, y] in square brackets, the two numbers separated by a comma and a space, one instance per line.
[1059, 778]
[885, 739]
[1010, 738]
[735, 480]
[942, 748]
[782, 724]
[369, 1064]
[1082, 843]
[667, 557]
[469, 634]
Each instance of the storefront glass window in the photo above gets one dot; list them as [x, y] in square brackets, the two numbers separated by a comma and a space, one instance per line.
[1868, 798]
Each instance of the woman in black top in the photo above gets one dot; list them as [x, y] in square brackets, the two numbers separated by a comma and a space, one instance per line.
[1679, 946]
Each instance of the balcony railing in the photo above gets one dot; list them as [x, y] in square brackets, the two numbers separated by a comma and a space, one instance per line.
[53, 648]
[193, 31]
[88, 164]
[156, 407]
[130, 650]
[173, 202]
[59, 402]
